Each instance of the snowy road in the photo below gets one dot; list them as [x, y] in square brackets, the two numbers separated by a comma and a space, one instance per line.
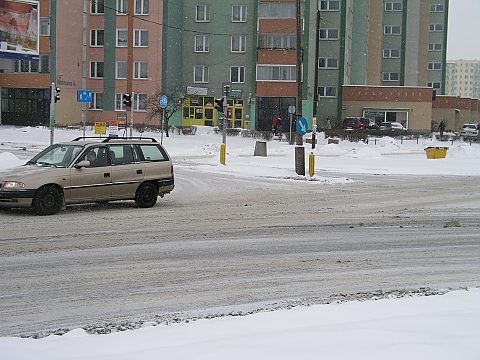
[219, 242]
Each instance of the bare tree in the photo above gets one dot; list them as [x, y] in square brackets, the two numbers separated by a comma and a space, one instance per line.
[175, 100]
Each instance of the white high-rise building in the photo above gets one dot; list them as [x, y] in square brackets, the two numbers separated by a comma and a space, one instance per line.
[463, 78]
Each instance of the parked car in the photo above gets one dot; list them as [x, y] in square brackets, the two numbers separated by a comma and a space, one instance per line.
[89, 170]
[395, 127]
[469, 130]
[358, 123]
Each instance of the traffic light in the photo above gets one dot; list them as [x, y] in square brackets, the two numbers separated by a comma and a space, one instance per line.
[127, 100]
[219, 105]
[434, 95]
[57, 94]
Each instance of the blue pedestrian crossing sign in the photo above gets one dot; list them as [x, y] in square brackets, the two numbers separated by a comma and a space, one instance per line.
[84, 95]
[163, 101]
[302, 126]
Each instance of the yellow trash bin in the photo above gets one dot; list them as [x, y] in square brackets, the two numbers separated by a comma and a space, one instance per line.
[436, 152]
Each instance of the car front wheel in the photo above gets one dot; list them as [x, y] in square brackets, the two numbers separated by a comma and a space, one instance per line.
[146, 195]
[47, 201]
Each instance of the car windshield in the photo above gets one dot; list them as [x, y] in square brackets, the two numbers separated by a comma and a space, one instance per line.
[469, 126]
[56, 155]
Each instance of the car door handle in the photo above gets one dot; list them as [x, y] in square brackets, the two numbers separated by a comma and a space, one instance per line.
[139, 172]
[106, 175]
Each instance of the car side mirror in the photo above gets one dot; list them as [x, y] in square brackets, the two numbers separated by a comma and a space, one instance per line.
[83, 163]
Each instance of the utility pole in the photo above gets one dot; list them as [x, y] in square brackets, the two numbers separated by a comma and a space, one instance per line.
[299, 150]
[131, 11]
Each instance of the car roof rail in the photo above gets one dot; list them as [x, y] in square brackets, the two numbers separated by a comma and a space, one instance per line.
[108, 139]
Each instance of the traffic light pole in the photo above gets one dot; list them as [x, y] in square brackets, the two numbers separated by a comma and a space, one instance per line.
[54, 97]
[131, 114]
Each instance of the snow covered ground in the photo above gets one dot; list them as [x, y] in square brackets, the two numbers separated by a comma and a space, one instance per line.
[432, 327]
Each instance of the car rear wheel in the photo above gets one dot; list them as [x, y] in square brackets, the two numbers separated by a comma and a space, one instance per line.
[47, 201]
[146, 195]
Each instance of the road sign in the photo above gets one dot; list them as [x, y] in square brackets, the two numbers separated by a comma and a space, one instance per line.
[302, 126]
[291, 109]
[163, 101]
[84, 95]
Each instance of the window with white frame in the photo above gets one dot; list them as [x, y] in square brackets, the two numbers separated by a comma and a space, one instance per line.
[202, 43]
[139, 102]
[393, 6]
[239, 13]
[200, 74]
[239, 43]
[122, 7]
[327, 91]
[330, 5]
[202, 13]
[327, 63]
[436, 8]
[434, 66]
[277, 41]
[436, 27]
[391, 53]
[435, 85]
[44, 26]
[278, 10]
[120, 70]
[97, 101]
[119, 105]
[328, 34]
[390, 76]
[237, 74]
[96, 69]
[97, 6]
[141, 7]
[435, 47]
[140, 38]
[276, 73]
[122, 38]
[140, 70]
[392, 30]
[97, 38]
[25, 66]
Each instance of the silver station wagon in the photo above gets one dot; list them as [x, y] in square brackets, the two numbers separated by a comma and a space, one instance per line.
[89, 170]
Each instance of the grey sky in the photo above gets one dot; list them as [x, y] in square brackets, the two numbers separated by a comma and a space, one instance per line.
[463, 30]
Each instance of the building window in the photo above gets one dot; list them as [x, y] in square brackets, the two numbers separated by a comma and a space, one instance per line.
[327, 63]
[239, 13]
[140, 38]
[44, 63]
[96, 69]
[327, 91]
[97, 6]
[391, 53]
[122, 37]
[203, 13]
[328, 34]
[97, 37]
[436, 27]
[122, 7]
[200, 74]
[140, 70]
[97, 101]
[434, 66]
[202, 43]
[392, 30]
[278, 10]
[436, 8]
[139, 102]
[393, 6]
[277, 41]
[239, 43]
[237, 74]
[330, 5]
[44, 26]
[121, 70]
[141, 7]
[119, 105]
[276, 73]
[435, 47]
[435, 85]
[390, 76]
[25, 66]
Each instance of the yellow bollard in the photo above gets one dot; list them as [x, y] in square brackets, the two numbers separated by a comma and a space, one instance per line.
[311, 164]
[223, 152]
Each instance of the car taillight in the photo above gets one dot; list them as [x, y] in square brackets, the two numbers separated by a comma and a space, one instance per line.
[171, 171]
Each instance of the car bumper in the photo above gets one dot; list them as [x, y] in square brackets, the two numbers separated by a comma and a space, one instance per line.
[20, 198]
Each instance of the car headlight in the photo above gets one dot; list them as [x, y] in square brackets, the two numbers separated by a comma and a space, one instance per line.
[13, 185]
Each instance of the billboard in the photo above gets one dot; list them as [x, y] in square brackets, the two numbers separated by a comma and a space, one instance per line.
[19, 29]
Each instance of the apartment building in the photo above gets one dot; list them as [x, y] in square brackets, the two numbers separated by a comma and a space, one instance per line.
[463, 78]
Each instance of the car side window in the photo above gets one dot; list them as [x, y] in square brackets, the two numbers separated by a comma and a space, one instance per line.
[97, 156]
[121, 154]
[152, 152]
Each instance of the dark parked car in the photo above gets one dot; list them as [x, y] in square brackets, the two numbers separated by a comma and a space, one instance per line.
[395, 127]
[359, 123]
